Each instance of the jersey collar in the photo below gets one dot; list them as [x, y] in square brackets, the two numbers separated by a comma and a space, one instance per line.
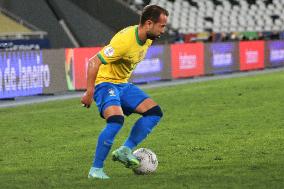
[141, 43]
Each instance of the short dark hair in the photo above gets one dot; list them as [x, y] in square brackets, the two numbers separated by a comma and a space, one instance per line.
[152, 12]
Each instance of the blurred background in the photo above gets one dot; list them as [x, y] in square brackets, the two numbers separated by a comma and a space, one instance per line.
[224, 133]
[45, 44]
[75, 23]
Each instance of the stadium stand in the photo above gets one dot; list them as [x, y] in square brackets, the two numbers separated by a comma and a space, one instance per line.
[77, 23]
[13, 27]
[73, 23]
[42, 17]
[8, 25]
[84, 26]
[18, 34]
[242, 19]
[115, 14]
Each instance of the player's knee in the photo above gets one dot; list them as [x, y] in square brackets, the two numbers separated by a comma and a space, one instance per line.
[155, 111]
[116, 119]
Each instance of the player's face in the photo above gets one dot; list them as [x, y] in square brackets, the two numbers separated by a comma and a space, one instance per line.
[157, 29]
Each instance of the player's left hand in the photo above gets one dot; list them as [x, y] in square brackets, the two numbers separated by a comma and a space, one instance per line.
[87, 99]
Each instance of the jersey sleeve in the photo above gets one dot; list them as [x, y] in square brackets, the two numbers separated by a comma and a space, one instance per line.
[114, 51]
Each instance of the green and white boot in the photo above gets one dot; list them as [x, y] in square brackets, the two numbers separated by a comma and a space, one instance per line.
[97, 173]
[125, 156]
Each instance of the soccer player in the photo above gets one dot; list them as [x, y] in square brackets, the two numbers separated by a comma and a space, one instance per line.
[107, 83]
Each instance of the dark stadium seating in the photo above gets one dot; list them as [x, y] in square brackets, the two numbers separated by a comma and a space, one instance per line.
[88, 30]
[71, 23]
[39, 14]
[113, 13]
[74, 23]
[223, 16]
[9, 25]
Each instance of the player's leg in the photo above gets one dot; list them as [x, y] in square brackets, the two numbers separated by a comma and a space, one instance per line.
[110, 109]
[135, 100]
[114, 118]
[151, 115]
[124, 154]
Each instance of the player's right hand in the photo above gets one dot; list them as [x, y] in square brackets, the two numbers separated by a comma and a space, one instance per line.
[87, 99]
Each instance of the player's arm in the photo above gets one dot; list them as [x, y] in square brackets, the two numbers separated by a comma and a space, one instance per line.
[93, 68]
[110, 53]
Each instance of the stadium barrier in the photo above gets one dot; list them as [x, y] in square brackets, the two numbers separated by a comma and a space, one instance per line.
[187, 60]
[251, 55]
[221, 58]
[26, 73]
[274, 53]
[76, 66]
[55, 59]
[155, 67]
[24, 44]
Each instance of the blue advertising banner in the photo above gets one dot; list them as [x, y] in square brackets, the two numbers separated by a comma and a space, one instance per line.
[154, 67]
[22, 74]
[24, 44]
[275, 53]
[221, 58]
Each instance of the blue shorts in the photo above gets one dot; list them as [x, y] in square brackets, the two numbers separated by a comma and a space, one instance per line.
[126, 95]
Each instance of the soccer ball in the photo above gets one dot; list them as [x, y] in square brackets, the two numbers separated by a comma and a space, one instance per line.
[148, 161]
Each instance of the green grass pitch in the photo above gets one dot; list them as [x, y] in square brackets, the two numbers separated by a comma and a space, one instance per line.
[216, 134]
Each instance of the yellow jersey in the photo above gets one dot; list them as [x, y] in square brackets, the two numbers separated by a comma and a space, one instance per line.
[120, 57]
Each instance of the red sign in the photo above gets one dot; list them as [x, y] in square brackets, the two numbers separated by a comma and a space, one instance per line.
[251, 55]
[79, 57]
[187, 60]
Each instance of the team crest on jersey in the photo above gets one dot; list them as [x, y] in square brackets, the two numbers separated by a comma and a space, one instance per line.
[109, 51]
[111, 92]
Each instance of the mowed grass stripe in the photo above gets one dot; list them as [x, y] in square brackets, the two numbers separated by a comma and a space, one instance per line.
[216, 134]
